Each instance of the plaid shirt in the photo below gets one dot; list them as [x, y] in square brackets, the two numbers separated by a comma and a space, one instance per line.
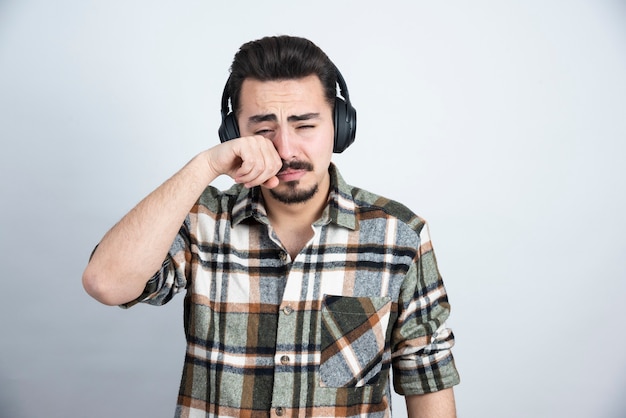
[314, 336]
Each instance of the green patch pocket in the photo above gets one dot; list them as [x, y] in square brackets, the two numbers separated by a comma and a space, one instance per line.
[353, 331]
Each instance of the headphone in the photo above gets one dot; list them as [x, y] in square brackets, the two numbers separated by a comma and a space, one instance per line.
[344, 118]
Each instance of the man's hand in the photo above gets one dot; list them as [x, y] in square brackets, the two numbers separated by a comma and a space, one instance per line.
[250, 160]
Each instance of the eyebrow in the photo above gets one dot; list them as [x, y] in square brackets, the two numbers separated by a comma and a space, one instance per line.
[271, 117]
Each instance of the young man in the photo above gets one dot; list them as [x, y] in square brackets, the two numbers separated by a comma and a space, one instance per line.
[301, 291]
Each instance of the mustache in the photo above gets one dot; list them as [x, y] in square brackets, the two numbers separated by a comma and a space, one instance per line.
[296, 165]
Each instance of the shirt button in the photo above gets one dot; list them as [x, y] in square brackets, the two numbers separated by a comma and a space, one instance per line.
[280, 411]
[283, 256]
[287, 310]
[284, 360]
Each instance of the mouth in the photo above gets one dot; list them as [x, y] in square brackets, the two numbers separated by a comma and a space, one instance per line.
[290, 175]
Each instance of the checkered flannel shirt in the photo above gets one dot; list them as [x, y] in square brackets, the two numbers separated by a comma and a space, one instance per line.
[314, 336]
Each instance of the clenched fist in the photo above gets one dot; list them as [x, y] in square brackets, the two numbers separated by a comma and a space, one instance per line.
[250, 160]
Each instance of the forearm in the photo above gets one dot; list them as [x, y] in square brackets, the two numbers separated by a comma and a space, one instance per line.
[432, 405]
[134, 249]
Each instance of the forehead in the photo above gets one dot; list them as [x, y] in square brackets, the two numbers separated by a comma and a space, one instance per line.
[299, 94]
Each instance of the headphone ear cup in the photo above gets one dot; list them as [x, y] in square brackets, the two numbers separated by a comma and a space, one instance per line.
[345, 125]
[228, 129]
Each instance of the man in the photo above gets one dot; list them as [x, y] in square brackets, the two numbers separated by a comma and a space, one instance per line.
[301, 291]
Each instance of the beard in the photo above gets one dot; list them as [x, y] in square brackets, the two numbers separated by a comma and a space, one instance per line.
[293, 195]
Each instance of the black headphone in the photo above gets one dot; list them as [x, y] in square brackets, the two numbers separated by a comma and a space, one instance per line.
[344, 118]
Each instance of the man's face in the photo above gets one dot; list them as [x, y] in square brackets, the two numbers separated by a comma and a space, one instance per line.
[296, 117]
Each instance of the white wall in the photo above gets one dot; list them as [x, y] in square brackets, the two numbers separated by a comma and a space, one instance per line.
[502, 123]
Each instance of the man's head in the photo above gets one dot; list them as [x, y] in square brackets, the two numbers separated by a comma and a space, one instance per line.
[280, 58]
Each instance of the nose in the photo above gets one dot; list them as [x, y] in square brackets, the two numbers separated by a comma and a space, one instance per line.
[283, 142]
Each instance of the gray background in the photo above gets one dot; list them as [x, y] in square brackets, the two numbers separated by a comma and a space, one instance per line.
[502, 123]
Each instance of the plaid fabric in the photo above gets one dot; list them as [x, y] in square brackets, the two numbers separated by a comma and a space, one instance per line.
[314, 336]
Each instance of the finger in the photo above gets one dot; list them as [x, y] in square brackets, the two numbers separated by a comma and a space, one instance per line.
[262, 173]
[248, 151]
[253, 167]
[260, 163]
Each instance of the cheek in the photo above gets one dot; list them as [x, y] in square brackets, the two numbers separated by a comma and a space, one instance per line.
[320, 148]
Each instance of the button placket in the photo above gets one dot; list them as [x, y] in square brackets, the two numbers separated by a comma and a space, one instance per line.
[285, 361]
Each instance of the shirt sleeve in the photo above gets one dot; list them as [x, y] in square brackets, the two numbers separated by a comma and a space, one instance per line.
[422, 343]
[171, 278]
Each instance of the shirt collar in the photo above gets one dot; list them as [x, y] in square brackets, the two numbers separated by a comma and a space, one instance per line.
[340, 209]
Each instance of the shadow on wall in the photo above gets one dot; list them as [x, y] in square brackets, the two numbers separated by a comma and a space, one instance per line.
[8, 399]
[619, 409]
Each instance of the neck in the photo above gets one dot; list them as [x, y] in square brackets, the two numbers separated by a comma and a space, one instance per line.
[292, 222]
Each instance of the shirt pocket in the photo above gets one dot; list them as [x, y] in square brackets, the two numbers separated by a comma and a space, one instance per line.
[353, 332]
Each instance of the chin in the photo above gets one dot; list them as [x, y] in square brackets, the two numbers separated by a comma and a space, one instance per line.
[291, 194]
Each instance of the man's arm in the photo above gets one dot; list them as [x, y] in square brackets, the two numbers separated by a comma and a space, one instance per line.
[134, 249]
[432, 405]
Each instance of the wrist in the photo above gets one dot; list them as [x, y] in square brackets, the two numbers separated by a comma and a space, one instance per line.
[206, 166]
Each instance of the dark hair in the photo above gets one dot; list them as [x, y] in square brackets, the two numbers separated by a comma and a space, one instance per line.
[281, 58]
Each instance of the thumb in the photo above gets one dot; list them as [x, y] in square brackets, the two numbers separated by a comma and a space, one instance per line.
[271, 182]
